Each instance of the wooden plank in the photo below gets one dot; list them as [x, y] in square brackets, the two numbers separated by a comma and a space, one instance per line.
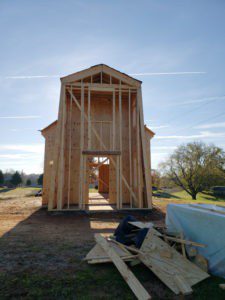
[138, 156]
[84, 181]
[182, 241]
[130, 248]
[121, 148]
[101, 135]
[167, 266]
[52, 188]
[114, 120]
[70, 152]
[183, 286]
[62, 154]
[130, 157]
[182, 245]
[89, 119]
[126, 273]
[146, 167]
[81, 149]
[142, 224]
[97, 252]
[128, 258]
[102, 87]
[101, 152]
[119, 75]
[97, 255]
[117, 183]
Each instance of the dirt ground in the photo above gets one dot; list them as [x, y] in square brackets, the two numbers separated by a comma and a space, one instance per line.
[41, 254]
[23, 218]
[33, 240]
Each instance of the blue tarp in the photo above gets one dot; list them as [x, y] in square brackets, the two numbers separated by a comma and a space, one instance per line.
[202, 226]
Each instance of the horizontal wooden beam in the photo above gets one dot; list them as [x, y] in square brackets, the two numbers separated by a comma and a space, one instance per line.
[99, 86]
[100, 153]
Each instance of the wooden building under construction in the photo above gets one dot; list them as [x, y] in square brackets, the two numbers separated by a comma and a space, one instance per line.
[100, 127]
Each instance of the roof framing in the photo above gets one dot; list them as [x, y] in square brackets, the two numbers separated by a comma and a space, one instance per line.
[101, 68]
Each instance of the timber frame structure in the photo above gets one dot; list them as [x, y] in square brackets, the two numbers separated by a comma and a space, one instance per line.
[100, 115]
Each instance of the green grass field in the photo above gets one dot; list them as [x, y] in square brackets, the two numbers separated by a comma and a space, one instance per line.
[6, 193]
[96, 282]
[91, 190]
[183, 197]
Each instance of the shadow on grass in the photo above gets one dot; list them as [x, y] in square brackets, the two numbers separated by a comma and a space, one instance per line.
[212, 197]
[165, 195]
[6, 190]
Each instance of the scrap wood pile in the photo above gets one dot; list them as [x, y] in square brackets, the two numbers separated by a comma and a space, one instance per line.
[137, 242]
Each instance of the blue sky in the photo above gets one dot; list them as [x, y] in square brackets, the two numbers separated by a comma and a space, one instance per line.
[159, 40]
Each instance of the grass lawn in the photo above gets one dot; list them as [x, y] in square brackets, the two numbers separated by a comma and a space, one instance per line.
[96, 282]
[91, 190]
[162, 198]
[6, 193]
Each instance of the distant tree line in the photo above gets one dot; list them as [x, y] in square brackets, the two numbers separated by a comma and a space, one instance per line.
[12, 178]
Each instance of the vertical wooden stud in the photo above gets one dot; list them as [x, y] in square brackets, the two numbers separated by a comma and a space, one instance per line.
[114, 120]
[52, 190]
[121, 146]
[130, 161]
[84, 180]
[101, 135]
[81, 147]
[138, 155]
[147, 173]
[89, 118]
[61, 156]
[117, 182]
[70, 150]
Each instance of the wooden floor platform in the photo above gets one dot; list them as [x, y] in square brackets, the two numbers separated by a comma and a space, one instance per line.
[100, 203]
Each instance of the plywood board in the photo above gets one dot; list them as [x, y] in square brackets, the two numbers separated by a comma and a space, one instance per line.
[126, 273]
[166, 267]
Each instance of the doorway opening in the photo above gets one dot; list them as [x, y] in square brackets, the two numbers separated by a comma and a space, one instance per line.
[99, 183]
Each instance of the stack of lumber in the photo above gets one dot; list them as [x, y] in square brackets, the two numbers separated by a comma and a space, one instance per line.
[156, 253]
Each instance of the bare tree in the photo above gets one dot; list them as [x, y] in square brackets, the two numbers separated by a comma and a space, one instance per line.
[195, 167]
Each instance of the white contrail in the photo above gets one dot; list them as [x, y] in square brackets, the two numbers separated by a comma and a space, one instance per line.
[166, 73]
[199, 100]
[20, 117]
[212, 125]
[133, 74]
[31, 77]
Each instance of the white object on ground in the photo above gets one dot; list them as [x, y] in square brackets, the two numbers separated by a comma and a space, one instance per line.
[202, 224]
